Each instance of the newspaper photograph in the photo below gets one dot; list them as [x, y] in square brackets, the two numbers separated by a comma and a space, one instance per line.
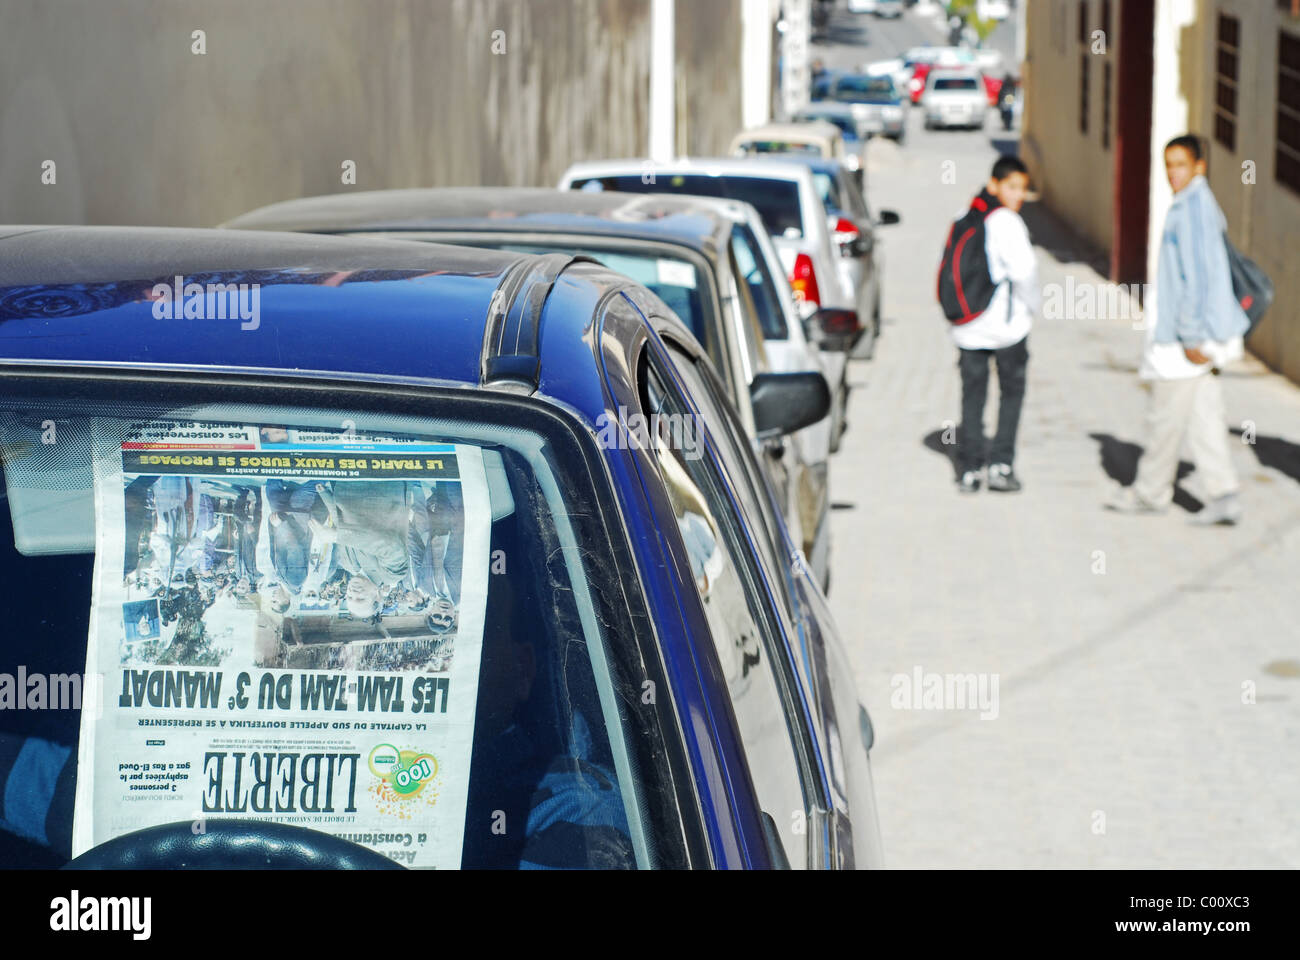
[289, 625]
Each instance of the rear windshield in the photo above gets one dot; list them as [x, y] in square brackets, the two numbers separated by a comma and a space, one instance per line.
[845, 124]
[780, 146]
[865, 90]
[394, 620]
[956, 83]
[777, 201]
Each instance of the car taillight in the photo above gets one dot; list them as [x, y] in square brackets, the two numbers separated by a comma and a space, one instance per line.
[916, 84]
[845, 231]
[803, 280]
[839, 322]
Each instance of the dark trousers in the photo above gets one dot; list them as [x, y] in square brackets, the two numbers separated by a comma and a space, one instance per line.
[974, 367]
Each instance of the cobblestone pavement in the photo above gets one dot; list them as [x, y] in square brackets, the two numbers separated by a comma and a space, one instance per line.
[1124, 647]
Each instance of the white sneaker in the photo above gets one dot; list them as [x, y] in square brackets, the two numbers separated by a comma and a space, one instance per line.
[1226, 510]
[1126, 500]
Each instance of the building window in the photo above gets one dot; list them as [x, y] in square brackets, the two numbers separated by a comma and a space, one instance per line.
[1287, 159]
[1084, 65]
[1105, 105]
[1225, 84]
[1106, 79]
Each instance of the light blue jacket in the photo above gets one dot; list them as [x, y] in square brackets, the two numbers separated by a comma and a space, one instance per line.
[1193, 284]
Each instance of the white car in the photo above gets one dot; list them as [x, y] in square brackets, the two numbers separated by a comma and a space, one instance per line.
[786, 197]
[954, 98]
[891, 9]
[992, 9]
[862, 6]
[789, 354]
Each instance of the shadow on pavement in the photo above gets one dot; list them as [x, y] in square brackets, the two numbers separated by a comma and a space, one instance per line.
[1053, 234]
[1119, 459]
[934, 441]
[1005, 143]
[1282, 455]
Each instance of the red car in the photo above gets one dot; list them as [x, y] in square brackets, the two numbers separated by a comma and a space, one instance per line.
[916, 86]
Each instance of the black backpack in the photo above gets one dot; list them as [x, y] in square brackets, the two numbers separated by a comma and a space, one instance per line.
[965, 286]
[1250, 285]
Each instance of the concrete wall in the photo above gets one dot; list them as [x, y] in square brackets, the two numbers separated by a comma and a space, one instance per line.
[1264, 216]
[1076, 175]
[709, 103]
[144, 131]
[1072, 170]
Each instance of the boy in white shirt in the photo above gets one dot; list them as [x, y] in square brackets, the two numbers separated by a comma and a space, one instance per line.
[1000, 333]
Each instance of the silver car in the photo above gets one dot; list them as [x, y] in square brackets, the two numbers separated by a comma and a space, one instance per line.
[878, 107]
[954, 98]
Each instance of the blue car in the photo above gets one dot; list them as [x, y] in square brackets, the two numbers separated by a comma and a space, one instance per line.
[399, 554]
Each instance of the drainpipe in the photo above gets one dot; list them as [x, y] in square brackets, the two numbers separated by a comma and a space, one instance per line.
[663, 67]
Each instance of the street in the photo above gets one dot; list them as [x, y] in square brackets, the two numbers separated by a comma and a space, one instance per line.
[1147, 670]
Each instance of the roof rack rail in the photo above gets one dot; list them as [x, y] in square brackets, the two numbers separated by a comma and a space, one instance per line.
[513, 331]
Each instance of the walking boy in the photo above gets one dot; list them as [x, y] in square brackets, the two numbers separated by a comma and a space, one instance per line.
[1199, 325]
[1000, 331]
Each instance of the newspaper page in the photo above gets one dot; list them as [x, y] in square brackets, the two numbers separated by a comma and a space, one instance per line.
[289, 625]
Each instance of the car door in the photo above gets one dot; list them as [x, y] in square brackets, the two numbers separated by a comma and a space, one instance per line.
[731, 484]
[841, 724]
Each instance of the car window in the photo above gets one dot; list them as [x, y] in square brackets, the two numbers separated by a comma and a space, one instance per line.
[828, 190]
[857, 203]
[754, 360]
[955, 83]
[845, 124]
[744, 628]
[865, 90]
[432, 563]
[776, 200]
[757, 147]
[752, 267]
[680, 284]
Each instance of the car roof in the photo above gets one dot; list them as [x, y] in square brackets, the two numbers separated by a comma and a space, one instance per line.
[688, 221]
[760, 167]
[808, 131]
[356, 309]
[824, 107]
[815, 163]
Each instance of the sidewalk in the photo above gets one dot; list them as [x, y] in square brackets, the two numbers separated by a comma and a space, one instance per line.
[1122, 645]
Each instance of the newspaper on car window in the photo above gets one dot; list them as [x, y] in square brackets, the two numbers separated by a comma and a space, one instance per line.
[289, 626]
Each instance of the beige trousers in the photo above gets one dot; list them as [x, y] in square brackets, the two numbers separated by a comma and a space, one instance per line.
[1190, 409]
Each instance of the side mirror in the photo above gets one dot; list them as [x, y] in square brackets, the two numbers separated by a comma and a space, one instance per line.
[887, 218]
[786, 402]
[836, 329]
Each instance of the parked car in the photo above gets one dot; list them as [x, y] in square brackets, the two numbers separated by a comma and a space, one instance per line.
[787, 199]
[651, 682]
[813, 136]
[862, 6]
[954, 98]
[861, 262]
[889, 9]
[700, 256]
[839, 114]
[877, 105]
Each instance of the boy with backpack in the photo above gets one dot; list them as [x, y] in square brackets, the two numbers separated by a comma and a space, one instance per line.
[988, 288]
[1200, 321]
